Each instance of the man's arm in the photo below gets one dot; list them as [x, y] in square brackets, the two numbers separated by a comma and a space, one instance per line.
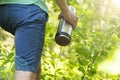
[63, 5]
[66, 14]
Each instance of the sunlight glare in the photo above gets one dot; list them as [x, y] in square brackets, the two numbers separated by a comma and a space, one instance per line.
[111, 66]
[116, 3]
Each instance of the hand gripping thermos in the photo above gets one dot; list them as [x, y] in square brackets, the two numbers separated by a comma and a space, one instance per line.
[63, 35]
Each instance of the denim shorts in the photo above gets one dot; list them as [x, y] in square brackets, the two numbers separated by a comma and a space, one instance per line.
[27, 23]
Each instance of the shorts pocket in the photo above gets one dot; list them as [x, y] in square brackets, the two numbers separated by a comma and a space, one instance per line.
[37, 14]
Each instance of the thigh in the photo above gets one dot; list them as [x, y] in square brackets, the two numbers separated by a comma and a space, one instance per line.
[29, 41]
[12, 15]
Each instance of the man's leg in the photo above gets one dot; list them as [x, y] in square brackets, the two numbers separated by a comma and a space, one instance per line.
[24, 75]
[29, 22]
[29, 43]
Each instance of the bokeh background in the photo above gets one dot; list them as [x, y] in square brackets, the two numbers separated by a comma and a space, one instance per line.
[93, 54]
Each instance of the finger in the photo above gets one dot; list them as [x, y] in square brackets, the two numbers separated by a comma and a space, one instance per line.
[59, 16]
[75, 24]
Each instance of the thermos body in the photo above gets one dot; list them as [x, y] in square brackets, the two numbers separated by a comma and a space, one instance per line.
[63, 35]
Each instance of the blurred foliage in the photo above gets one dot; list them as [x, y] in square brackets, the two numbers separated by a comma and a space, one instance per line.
[96, 36]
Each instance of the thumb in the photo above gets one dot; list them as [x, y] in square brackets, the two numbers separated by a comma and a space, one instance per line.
[60, 16]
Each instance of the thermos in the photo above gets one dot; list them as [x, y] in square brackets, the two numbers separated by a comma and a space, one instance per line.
[63, 35]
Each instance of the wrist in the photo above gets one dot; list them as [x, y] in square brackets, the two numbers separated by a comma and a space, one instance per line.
[65, 11]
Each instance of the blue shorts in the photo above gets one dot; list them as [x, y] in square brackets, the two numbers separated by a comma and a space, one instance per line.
[27, 23]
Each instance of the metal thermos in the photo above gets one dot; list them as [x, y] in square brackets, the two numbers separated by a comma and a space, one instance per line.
[63, 35]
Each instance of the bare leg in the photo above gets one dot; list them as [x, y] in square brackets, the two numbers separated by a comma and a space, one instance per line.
[24, 75]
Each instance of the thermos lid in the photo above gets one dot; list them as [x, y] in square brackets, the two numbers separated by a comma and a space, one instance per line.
[62, 39]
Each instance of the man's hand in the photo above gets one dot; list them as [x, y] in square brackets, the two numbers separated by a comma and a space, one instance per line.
[69, 17]
[66, 13]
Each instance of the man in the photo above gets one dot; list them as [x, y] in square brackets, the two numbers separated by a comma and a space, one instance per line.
[26, 20]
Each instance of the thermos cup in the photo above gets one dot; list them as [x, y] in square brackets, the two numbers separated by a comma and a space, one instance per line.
[63, 35]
